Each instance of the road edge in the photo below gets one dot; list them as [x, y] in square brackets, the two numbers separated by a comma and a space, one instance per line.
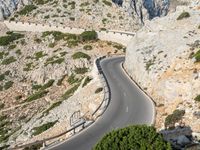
[144, 92]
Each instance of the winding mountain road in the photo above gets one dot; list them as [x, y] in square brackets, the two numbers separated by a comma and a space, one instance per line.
[128, 106]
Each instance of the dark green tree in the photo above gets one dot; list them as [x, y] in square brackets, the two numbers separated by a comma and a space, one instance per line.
[137, 137]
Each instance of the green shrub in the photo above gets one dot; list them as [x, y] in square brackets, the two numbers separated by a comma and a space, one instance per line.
[36, 87]
[33, 147]
[42, 128]
[87, 80]
[8, 85]
[99, 90]
[81, 70]
[137, 137]
[61, 80]
[18, 97]
[18, 52]
[108, 3]
[8, 61]
[56, 34]
[2, 106]
[72, 79]
[36, 95]
[197, 98]
[40, 2]
[12, 47]
[48, 84]
[27, 9]
[79, 55]
[88, 36]
[171, 119]
[39, 55]
[70, 92]
[87, 47]
[183, 15]
[2, 77]
[28, 67]
[54, 105]
[196, 56]
[6, 40]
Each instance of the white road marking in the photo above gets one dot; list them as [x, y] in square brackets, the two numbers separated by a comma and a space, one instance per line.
[127, 109]
[124, 93]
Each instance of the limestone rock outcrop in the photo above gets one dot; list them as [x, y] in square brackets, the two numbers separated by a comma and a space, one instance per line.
[8, 6]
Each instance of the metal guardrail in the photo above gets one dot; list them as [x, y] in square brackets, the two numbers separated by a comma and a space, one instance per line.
[106, 99]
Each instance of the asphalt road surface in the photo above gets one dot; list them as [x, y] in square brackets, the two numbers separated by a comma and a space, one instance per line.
[128, 106]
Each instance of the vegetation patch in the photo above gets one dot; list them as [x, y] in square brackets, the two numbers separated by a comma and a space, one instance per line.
[176, 116]
[88, 36]
[87, 47]
[108, 3]
[99, 90]
[8, 60]
[27, 9]
[72, 79]
[42, 128]
[81, 70]
[135, 137]
[87, 80]
[34, 147]
[36, 95]
[196, 56]
[61, 80]
[70, 92]
[79, 55]
[8, 85]
[183, 15]
[54, 105]
[47, 85]
[197, 98]
[39, 55]
[10, 37]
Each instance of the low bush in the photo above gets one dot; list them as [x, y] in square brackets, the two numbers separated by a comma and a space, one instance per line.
[8, 60]
[2, 77]
[6, 40]
[70, 92]
[36, 95]
[87, 80]
[99, 90]
[42, 128]
[87, 47]
[72, 79]
[54, 105]
[81, 70]
[88, 36]
[108, 3]
[197, 98]
[27, 9]
[196, 56]
[176, 116]
[79, 55]
[183, 15]
[61, 80]
[136, 137]
[8, 85]
[39, 55]
[34, 147]
[48, 84]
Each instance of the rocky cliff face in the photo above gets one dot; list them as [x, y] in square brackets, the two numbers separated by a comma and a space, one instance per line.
[8, 6]
[160, 58]
[148, 9]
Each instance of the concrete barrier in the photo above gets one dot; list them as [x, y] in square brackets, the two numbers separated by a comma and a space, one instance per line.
[122, 37]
